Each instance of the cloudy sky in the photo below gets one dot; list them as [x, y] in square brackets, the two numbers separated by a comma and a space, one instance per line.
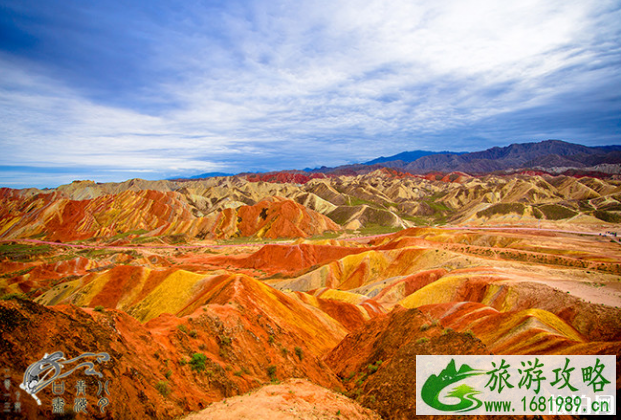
[111, 90]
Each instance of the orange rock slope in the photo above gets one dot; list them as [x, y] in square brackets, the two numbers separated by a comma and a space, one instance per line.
[192, 324]
[377, 363]
[272, 219]
[151, 213]
[294, 399]
[248, 333]
[285, 259]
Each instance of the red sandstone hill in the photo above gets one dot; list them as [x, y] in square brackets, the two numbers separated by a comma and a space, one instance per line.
[248, 332]
[50, 217]
[227, 207]
[377, 362]
[286, 259]
[272, 219]
[336, 306]
[150, 213]
[282, 177]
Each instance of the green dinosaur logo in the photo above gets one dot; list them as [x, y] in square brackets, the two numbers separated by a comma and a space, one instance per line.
[464, 393]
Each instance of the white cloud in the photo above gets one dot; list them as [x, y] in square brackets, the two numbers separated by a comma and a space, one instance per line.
[282, 72]
[329, 63]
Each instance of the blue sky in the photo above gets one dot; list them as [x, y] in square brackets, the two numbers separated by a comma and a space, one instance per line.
[110, 90]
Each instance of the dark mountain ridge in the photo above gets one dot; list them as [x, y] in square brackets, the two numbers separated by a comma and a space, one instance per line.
[407, 157]
[548, 155]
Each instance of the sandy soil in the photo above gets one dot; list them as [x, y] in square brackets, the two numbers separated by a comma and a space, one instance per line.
[293, 399]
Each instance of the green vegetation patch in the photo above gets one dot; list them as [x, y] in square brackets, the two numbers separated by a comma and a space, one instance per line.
[271, 372]
[16, 273]
[608, 216]
[147, 239]
[355, 201]
[374, 367]
[126, 234]
[340, 215]
[611, 207]
[556, 212]
[440, 210]
[23, 252]
[197, 362]
[438, 207]
[14, 296]
[502, 209]
[162, 388]
[418, 220]
[373, 229]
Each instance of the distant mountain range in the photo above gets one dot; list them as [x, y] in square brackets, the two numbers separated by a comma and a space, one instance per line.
[549, 154]
[555, 156]
[211, 175]
[408, 156]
